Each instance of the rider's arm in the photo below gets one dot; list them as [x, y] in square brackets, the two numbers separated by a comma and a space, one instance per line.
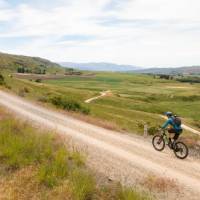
[165, 124]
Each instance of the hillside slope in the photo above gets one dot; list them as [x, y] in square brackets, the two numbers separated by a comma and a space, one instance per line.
[13, 62]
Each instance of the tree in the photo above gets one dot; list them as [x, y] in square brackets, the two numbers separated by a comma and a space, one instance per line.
[20, 70]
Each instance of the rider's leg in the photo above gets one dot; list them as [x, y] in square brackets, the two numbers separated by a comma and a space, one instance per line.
[171, 132]
[176, 136]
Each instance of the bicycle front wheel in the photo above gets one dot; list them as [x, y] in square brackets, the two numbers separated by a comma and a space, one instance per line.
[181, 150]
[158, 142]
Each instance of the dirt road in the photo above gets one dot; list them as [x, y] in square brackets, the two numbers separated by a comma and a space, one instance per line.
[122, 157]
[97, 97]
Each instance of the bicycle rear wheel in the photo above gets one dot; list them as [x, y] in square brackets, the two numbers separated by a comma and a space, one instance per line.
[158, 142]
[181, 150]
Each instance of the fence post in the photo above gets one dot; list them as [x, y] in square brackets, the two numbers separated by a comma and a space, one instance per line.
[145, 130]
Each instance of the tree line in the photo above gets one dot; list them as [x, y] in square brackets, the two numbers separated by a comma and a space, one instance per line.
[28, 70]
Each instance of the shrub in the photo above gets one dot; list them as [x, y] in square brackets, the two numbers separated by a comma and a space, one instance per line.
[140, 124]
[2, 80]
[85, 110]
[26, 90]
[8, 86]
[38, 80]
[152, 130]
[68, 104]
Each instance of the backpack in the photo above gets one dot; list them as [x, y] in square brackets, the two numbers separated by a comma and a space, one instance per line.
[177, 121]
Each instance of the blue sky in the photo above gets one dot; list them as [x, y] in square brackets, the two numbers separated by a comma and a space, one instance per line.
[159, 33]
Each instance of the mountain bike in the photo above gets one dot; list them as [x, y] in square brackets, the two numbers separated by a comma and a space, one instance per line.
[160, 140]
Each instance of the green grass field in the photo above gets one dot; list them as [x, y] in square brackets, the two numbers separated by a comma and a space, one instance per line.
[134, 100]
[137, 99]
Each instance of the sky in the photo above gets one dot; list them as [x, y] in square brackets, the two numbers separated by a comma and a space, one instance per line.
[148, 33]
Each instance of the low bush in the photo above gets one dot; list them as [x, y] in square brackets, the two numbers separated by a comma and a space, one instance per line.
[8, 87]
[26, 90]
[189, 79]
[68, 104]
[38, 80]
[65, 103]
[140, 124]
[152, 130]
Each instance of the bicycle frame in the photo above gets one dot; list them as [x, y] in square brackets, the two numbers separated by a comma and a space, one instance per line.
[164, 135]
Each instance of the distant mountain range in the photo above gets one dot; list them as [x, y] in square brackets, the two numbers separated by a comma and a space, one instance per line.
[13, 62]
[190, 70]
[102, 66]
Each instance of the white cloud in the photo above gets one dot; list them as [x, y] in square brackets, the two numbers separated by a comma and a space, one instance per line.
[141, 32]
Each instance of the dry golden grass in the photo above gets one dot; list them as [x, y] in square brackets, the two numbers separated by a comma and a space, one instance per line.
[20, 185]
[61, 192]
[160, 184]
[96, 121]
[191, 141]
[23, 185]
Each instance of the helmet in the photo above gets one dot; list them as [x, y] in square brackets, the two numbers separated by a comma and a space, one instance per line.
[169, 114]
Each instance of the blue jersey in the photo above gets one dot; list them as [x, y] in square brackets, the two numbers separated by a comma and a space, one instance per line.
[171, 122]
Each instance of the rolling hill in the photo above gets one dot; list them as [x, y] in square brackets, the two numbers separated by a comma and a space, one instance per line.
[13, 62]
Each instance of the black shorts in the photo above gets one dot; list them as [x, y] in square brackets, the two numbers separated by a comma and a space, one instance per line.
[176, 132]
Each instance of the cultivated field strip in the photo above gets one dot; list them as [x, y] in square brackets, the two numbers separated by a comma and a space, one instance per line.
[135, 153]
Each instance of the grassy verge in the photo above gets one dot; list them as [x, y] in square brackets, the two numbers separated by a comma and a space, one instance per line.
[37, 165]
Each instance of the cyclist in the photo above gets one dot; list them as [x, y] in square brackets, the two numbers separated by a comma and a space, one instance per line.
[174, 124]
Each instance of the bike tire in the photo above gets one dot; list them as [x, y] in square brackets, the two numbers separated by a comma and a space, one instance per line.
[181, 147]
[158, 139]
